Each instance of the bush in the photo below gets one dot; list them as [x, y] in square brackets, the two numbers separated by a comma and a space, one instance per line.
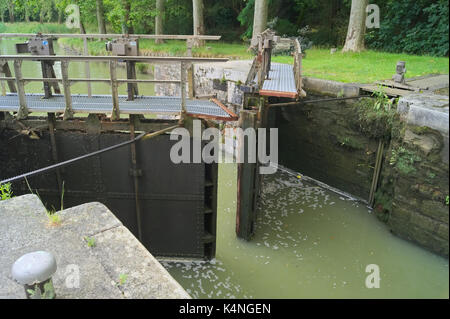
[415, 27]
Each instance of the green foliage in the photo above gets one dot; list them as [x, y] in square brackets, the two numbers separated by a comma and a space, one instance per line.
[383, 204]
[48, 293]
[403, 160]
[5, 191]
[122, 279]
[382, 101]
[375, 117]
[447, 200]
[416, 27]
[54, 218]
[90, 241]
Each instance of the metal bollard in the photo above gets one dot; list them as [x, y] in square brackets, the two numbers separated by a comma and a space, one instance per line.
[34, 271]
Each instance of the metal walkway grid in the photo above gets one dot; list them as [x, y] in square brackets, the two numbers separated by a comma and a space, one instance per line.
[102, 104]
[281, 82]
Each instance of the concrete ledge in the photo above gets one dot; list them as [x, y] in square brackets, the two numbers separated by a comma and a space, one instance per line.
[25, 228]
[430, 110]
[331, 88]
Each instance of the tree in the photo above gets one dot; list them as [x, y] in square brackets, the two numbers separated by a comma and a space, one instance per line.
[101, 17]
[259, 19]
[3, 9]
[199, 24]
[159, 19]
[11, 4]
[127, 28]
[356, 27]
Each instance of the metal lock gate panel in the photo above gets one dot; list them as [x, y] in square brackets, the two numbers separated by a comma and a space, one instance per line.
[177, 201]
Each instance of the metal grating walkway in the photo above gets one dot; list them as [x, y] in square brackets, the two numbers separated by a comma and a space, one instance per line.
[281, 82]
[102, 104]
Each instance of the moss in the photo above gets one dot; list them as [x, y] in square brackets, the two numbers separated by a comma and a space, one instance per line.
[383, 205]
[372, 122]
[421, 130]
[350, 142]
[403, 160]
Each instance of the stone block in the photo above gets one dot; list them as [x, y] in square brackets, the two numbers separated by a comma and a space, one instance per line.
[436, 210]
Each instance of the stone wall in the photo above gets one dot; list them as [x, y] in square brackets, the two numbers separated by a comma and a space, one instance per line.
[320, 141]
[413, 198]
[225, 81]
[336, 143]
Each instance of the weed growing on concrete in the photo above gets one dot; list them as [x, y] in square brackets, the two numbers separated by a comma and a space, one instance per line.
[5, 191]
[49, 292]
[90, 241]
[54, 218]
[122, 279]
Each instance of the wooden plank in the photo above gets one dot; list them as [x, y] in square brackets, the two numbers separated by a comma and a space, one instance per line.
[23, 109]
[114, 35]
[387, 90]
[68, 111]
[114, 91]
[245, 214]
[233, 116]
[278, 94]
[396, 85]
[147, 59]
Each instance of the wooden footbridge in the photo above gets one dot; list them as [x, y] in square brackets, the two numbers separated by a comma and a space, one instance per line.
[22, 103]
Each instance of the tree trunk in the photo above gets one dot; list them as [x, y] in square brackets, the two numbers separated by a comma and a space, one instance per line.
[159, 24]
[11, 11]
[199, 25]
[356, 27]
[60, 14]
[101, 17]
[126, 27]
[259, 19]
[27, 14]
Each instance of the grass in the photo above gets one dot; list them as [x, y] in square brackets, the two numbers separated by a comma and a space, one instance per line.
[367, 66]
[364, 67]
[34, 27]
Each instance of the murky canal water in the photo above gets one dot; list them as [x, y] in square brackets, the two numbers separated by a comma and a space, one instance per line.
[309, 243]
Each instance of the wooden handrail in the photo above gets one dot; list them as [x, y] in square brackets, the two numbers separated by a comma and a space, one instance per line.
[113, 35]
[75, 58]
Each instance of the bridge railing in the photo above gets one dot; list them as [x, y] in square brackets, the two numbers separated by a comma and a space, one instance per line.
[298, 56]
[17, 82]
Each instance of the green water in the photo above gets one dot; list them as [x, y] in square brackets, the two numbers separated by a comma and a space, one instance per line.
[98, 70]
[309, 243]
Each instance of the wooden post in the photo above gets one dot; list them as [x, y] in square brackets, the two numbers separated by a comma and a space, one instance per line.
[7, 72]
[190, 75]
[51, 119]
[114, 91]
[136, 174]
[23, 109]
[183, 90]
[68, 111]
[45, 75]
[87, 68]
[132, 88]
[376, 173]
[245, 214]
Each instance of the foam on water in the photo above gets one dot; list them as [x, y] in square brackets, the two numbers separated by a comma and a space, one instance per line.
[309, 243]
